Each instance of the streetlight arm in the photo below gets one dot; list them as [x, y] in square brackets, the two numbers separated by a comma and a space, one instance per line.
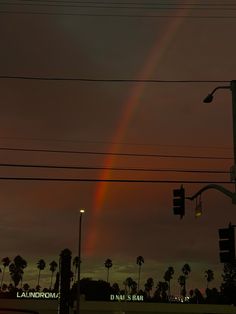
[212, 186]
[220, 87]
[209, 97]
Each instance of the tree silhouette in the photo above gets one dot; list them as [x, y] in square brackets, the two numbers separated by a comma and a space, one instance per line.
[182, 283]
[108, 265]
[128, 283]
[40, 265]
[148, 286]
[209, 275]
[16, 269]
[6, 262]
[26, 287]
[115, 288]
[160, 293]
[139, 261]
[168, 276]
[53, 267]
[4, 287]
[186, 271]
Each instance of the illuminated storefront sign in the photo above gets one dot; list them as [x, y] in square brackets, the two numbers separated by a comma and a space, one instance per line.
[37, 295]
[128, 297]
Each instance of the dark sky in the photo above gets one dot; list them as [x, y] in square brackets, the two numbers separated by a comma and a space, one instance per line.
[122, 220]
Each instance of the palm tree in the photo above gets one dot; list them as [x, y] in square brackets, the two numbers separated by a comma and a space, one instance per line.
[16, 269]
[139, 261]
[148, 286]
[186, 270]
[5, 261]
[182, 283]
[209, 275]
[168, 276]
[128, 283]
[40, 265]
[161, 294]
[53, 267]
[26, 287]
[4, 287]
[108, 265]
[133, 287]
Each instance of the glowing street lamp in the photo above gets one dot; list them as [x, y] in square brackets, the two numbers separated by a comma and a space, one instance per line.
[81, 212]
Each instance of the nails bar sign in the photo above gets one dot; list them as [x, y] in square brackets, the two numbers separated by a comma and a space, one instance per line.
[128, 297]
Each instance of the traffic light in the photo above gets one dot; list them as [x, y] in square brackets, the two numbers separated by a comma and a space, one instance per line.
[179, 202]
[227, 244]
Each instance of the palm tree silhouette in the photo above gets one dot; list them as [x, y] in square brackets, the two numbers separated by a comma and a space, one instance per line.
[53, 267]
[128, 283]
[40, 265]
[185, 270]
[168, 276]
[162, 287]
[148, 286]
[108, 265]
[16, 269]
[209, 275]
[182, 283]
[26, 287]
[6, 262]
[139, 261]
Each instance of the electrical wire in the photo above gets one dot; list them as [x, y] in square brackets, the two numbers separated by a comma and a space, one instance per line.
[111, 180]
[225, 17]
[114, 154]
[54, 78]
[90, 6]
[107, 5]
[113, 168]
[112, 143]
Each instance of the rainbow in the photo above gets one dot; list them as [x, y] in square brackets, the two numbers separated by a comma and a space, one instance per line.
[128, 108]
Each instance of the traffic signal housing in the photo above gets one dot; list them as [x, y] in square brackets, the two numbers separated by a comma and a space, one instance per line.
[227, 244]
[179, 202]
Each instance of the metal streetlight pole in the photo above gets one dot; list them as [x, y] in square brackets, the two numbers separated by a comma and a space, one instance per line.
[209, 99]
[233, 90]
[230, 194]
[81, 212]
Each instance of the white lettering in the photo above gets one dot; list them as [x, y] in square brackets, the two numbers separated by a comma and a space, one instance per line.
[128, 297]
[37, 295]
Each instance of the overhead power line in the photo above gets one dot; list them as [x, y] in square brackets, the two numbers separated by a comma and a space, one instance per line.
[114, 154]
[110, 180]
[147, 16]
[160, 2]
[113, 168]
[121, 5]
[41, 139]
[57, 78]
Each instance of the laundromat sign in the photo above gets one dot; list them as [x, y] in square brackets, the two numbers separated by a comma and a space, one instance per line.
[37, 295]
